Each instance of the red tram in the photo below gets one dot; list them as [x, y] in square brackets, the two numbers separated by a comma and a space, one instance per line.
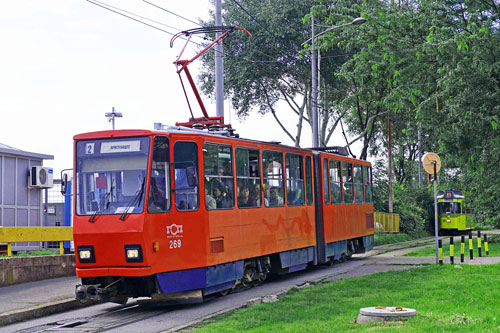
[184, 213]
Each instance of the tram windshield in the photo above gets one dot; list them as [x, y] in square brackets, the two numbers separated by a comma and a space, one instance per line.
[111, 176]
[450, 208]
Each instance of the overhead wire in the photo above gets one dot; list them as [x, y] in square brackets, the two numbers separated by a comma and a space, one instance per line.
[121, 12]
[170, 12]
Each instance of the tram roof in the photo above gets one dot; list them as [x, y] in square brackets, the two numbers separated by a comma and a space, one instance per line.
[450, 195]
[224, 134]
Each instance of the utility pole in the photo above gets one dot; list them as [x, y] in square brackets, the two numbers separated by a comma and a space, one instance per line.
[314, 92]
[314, 74]
[219, 64]
[419, 145]
[389, 156]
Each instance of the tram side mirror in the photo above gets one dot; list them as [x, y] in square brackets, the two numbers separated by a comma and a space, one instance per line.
[64, 184]
[191, 176]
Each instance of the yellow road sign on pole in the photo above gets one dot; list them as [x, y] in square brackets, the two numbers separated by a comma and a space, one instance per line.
[428, 162]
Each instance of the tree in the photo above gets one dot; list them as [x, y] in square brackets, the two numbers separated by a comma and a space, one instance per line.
[272, 67]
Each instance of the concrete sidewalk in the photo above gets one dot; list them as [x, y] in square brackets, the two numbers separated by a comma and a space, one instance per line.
[37, 299]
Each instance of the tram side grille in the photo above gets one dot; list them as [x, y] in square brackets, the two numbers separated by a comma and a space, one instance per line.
[369, 221]
[217, 245]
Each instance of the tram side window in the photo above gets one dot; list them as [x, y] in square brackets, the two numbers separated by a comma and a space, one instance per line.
[272, 164]
[347, 181]
[358, 183]
[159, 183]
[309, 180]
[218, 164]
[294, 167]
[368, 185]
[186, 176]
[335, 182]
[248, 178]
[326, 190]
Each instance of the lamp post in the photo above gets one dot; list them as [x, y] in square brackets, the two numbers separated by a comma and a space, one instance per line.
[112, 115]
[314, 93]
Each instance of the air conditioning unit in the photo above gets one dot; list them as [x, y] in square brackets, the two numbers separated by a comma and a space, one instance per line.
[41, 177]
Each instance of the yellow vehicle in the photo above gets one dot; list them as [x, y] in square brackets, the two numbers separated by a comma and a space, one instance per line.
[453, 217]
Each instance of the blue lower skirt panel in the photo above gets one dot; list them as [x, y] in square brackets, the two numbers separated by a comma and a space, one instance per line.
[213, 278]
[335, 248]
[368, 242]
[297, 257]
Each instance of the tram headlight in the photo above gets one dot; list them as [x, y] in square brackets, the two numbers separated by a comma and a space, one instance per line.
[86, 254]
[133, 253]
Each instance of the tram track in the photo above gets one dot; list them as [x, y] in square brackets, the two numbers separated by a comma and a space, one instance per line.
[116, 318]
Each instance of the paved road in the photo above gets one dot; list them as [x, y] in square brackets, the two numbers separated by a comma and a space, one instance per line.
[132, 317]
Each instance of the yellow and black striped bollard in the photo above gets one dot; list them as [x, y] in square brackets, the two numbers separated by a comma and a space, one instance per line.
[440, 252]
[479, 243]
[471, 247]
[462, 248]
[452, 249]
[486, 244]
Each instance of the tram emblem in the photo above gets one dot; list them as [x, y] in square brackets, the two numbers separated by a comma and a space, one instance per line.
[174, 230]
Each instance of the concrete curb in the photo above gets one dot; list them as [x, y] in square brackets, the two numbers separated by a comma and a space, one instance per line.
[40, 311]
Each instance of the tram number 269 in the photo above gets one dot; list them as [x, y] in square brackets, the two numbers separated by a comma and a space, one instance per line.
[175, 244]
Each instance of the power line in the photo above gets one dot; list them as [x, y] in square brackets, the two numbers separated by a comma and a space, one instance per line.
[117, 11]
[170, 12]
[142, 17]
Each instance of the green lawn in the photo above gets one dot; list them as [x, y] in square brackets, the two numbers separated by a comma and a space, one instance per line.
[447, 299]
[494, 250]
[32, 253]
[383, 239]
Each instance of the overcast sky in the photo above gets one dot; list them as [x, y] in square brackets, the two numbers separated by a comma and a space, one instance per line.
[65, 63]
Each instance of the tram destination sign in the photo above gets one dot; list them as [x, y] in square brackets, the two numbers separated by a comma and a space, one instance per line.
[120, 146]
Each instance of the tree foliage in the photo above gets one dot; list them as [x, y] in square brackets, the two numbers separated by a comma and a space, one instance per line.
[433, 65]
[272, 67]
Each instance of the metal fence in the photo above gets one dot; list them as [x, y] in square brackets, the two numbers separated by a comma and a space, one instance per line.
[11, 235]
[386, 222]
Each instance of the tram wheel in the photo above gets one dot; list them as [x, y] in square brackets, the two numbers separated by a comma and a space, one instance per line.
[224, 292]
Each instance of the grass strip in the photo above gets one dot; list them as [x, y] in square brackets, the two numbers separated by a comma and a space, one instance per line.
[446, 299]
[494, 250]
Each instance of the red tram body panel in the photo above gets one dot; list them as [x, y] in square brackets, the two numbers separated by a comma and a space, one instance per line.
[161, 213]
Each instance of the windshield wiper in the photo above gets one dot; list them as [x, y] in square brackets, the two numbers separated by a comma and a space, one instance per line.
[104, 199]
[135, 200]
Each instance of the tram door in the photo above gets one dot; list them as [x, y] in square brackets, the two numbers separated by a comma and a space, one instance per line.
[185, 228]
[186, 180]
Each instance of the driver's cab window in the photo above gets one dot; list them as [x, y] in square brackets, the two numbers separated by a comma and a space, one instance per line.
[159, 183]
[186, 176]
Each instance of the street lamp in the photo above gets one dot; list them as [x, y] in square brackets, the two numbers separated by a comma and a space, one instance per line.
[112, 115]
[314, 110]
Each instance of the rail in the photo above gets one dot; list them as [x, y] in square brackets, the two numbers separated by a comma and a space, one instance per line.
[386, 222]
[11, 235]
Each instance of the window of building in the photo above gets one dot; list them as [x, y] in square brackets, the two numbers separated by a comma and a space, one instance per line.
[272, 164]
[294, 167]
[326, 188]
[186, 176]
[347, 182]
[358, 183]
[159, 183]
[248, 178]
[219, 180]
[309, 181]
[335, 182]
